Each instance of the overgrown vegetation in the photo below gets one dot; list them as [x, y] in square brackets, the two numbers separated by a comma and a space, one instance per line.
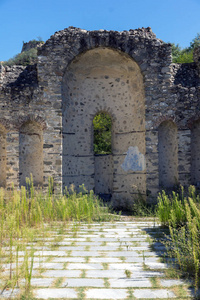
[25, 58]
[141, 208]
[26, 215]
[102, 124]
[181, 213]
[185, 55]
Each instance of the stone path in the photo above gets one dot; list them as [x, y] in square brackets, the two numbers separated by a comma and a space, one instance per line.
[102, 261]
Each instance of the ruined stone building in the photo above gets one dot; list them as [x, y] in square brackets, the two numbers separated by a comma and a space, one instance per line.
[47, 112]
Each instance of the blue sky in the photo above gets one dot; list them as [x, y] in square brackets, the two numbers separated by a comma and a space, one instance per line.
[176, 21]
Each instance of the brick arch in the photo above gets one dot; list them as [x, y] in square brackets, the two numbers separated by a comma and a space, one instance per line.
[30, 118]
[105, 110]
[162, 119]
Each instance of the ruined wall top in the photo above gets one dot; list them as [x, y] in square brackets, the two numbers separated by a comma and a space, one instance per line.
[113, 37]
[166, 84]
[140, 44]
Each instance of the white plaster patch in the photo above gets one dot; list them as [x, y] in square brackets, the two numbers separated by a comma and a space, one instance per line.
[134, 160]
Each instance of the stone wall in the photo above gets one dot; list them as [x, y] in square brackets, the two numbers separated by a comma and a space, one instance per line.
[31, 153]
[103, 168]
[154, 106]
[168, 154]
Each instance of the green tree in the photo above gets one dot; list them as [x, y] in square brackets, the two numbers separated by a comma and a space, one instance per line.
[102, 124]
[176, 51]
[185, 55]
[195, 42]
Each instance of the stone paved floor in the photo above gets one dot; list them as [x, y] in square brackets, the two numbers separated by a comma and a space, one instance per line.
[102, 261]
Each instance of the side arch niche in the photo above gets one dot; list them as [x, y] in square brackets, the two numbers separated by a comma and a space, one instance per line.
[3, 156]
[103, 162]
[104, 80]
[31, 153]
[195, 153]
[168, 154]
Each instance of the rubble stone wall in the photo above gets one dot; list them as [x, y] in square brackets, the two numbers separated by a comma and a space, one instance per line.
[79, 73]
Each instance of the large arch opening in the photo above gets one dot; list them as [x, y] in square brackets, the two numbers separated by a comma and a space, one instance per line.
[168, 154]
[195, 153]
[104, 80]
[102, 126]
[2, 156]
[31, 153]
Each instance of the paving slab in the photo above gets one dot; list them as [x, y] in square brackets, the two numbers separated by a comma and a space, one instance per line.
[105, 248]
[149, 253]
[140, 259]
[105, 260]
[71, 248]
[62, 273]
[156, 265]
[84, 266]
[91, 244]
[83, 282]
[105, 273]
[125, 283]
[86, 253]
[125, 266]
[68, 259]
[171, 282]
[106, 293]
[55, 293]
[41, 282]
[120, 253]
[148, 294]
[9, 294]
[48, 265]
[50, 253]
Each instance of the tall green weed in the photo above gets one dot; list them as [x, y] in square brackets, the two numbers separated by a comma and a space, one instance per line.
[181, 213]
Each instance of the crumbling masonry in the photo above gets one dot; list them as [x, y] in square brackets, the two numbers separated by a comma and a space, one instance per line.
[47, 112]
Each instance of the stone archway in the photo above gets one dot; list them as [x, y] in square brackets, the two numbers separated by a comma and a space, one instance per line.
[103, 79]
